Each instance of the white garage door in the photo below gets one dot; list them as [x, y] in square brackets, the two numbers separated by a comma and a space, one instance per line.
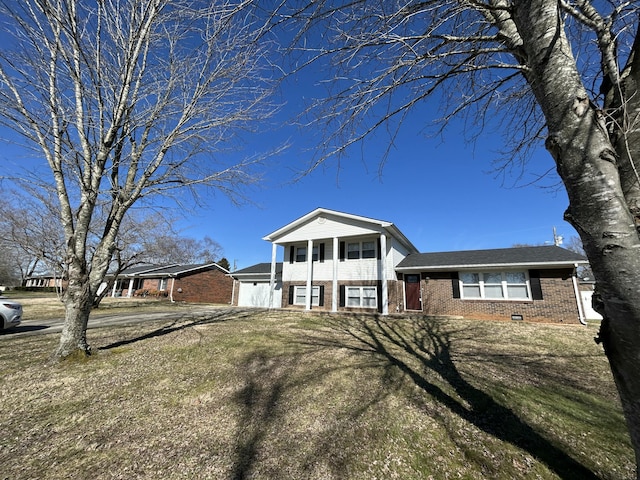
[256, 294]
[589, 312]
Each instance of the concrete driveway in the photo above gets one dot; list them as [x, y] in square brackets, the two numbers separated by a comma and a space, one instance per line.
[34, 327]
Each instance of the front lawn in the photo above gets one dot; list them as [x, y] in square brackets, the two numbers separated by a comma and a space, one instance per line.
[282, 395]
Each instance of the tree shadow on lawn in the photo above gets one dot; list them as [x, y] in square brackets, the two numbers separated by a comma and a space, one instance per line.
[270, 441]
[187, 321]
[425, 347]
[259, 410]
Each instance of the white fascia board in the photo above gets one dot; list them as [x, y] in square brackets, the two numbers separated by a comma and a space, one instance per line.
[444, 268]
[181, 272]
[272, 237]
[201, 267]
[250, 277]
[396, 233]
[147, 271]
[387, 226]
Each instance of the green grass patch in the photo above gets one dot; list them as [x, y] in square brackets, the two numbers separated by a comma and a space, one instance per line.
[280, 395]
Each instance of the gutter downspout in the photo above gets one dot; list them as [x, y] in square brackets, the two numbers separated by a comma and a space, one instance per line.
[173, 282]
[233, 290]
[576, 291]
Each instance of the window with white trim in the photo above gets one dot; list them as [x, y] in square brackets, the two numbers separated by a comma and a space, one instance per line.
[512, 285]
[300, 295]
[363, 297]
[301, 254]
[366, 249]
[162, 284]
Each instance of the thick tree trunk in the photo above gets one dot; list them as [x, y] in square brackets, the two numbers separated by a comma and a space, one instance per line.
[587, 161]
[78, 302]
[73, 339]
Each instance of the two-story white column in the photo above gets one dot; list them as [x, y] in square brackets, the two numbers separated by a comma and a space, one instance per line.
[307, 304]
[272, 276]
[334, 285]
[383, 274]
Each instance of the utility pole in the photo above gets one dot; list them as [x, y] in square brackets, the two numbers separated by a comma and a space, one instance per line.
[557, 239]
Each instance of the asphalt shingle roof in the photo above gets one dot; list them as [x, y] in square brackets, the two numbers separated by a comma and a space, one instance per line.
[258, 268]
[168, 270]
[501, 256]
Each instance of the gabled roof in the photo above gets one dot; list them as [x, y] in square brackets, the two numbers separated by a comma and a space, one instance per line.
[258, 269]
[140, 269]
[175, 270]
[322, 213]
[543, 256]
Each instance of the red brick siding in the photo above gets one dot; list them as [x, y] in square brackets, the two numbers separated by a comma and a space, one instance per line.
[558, 303]
[212, 286]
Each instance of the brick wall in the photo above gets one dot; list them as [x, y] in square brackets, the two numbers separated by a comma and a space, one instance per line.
[557, 305]
[392, 291]
[212, 286]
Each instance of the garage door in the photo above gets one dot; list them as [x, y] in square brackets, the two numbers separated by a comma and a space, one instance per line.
[589, 312]
[256, 294]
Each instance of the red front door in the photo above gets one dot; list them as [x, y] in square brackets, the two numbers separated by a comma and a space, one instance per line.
[412, 292]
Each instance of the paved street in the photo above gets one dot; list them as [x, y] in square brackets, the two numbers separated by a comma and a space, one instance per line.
[33, 327]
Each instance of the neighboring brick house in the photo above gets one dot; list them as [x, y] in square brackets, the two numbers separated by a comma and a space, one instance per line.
[204, 283]
[44, 281]
[335, 261]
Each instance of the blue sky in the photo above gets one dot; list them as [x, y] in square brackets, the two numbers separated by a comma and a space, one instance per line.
[439, 192]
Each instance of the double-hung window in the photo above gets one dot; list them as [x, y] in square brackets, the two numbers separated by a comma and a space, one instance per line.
[357, 250]
[368, 250]
[300, 295]
[495, 285]
[364, 297]
[301, 254]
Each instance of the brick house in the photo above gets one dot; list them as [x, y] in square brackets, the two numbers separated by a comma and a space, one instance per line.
[203, 283]
[335, 261]
[532, 283]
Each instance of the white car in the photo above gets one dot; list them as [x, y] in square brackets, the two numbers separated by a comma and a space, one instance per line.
[10, 313]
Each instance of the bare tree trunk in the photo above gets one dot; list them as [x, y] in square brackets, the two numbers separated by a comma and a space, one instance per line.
[587, 162]
[77, 301]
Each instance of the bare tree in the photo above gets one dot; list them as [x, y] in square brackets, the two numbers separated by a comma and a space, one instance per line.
[128, 100]
[566, 71]
[30, 231]
[149, 238]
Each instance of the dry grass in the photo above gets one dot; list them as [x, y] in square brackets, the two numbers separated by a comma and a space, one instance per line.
[281, 395]
[39, 306]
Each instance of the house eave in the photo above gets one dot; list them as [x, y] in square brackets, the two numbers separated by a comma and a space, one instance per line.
[453, 267]
[387, 226]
